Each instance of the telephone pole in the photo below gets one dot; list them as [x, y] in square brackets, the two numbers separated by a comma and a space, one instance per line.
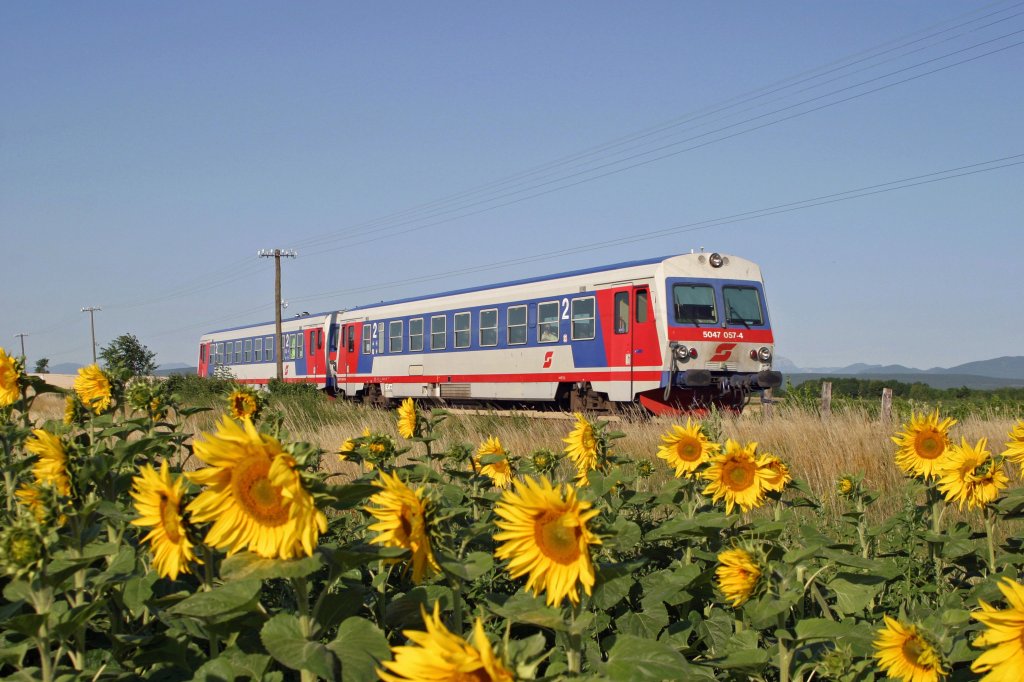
[92, 327]
[276, 254]
[22, 336]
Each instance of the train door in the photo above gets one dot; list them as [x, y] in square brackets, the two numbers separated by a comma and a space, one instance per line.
[348, 353]
[204, 359]
[316, 365]
[646, 349]
[632, 337]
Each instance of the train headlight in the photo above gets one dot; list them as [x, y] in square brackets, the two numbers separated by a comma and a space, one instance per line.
[716, 260]
[682, 353]
[764, 354]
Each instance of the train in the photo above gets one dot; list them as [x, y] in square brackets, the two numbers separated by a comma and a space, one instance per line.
[668, 335]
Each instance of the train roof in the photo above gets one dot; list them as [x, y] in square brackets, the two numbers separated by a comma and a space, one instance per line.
[284, 320]
[470, 290]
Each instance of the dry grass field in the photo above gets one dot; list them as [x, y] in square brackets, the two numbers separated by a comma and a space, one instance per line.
[818, 450]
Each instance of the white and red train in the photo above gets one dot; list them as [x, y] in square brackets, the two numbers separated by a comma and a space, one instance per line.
[677, 333]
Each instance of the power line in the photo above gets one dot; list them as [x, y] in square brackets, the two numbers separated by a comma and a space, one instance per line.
[389, 233]
[835, 197]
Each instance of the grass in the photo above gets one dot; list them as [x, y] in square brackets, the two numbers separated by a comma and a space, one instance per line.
[818, 449]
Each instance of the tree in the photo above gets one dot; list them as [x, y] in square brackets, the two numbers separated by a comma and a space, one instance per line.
[126, 352]
[42, 366]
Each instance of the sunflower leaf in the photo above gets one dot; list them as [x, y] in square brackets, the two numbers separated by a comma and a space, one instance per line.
[249, 566]
[226, 599]
[282, 636]
[641, 659]
[360, 646]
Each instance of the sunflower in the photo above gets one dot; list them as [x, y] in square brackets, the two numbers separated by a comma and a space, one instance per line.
[736, 476]
[958, 472]
[1004, 660]
[408, 420]
[401, 522]
[349, 446]
[255, 496]
[242, 404]
[923, 445]
[32, 497]
[158, 502]
[93, 387]
[544, 535]
[686, 448]
[9, 375]
[846, 485]
[905, 654]
[581, 447]
[51, 467]
[990, 479]
[738, 574]
[499, 472]
[1015, 446]
[438, 655]
[776, 473]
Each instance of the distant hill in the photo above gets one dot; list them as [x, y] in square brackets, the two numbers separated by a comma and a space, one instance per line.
[175, 368]
[934, 380]
[1007, 371]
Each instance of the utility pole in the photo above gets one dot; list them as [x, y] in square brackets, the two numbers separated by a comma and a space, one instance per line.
[22, 336]
[92, 327]
[276, 255]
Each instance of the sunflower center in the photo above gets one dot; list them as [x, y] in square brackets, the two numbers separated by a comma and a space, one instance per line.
[254, 492]
[916, 651]
[689, 450]
[169, 518]
[557, 538]
[738, 475]
[405, 521]
[929, 444]
[478, 675]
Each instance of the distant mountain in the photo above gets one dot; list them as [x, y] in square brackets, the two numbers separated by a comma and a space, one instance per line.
[175, 368]
[981, 374]
[1006, 367]
[65, 368]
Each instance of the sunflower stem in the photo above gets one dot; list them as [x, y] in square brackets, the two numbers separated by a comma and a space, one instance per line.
[784, 653]
[574, 654]
[935, 503]
[990, 531]
[457, 605]
[208, 585]
[862, 528]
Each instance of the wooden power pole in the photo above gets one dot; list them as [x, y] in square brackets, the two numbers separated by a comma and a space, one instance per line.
[276, 254]
[92, 327]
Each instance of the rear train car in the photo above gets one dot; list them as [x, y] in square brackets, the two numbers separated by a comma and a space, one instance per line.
[672, 334]
[248, 354]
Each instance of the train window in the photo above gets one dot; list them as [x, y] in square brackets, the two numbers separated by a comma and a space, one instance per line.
[742, 306]
[395, 336]
[220, 354]
[257, 349]
[583, 318]
[547, 322]
[319, 339]
[268, 350]
[694, 304]
[248, 350]
[238, 352]
[351, 338]
[489, 327]
[641, 305]
[438, 332]
[416, 335]
[621, 305]
[202, 352]
[312, 339]
[379, 335]
[366, 339]
[516, 324]
[462, 331]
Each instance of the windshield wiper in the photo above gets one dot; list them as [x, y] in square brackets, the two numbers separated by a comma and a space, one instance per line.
[737, 318]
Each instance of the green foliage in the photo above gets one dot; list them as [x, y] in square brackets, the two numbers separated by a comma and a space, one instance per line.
[81, 597]
[127, 354]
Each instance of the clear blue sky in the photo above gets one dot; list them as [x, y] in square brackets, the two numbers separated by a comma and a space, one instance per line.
[148, 150]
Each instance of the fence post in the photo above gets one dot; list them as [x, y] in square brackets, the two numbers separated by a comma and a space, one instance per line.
[766, 402]
[886, 413]
[826, 398]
